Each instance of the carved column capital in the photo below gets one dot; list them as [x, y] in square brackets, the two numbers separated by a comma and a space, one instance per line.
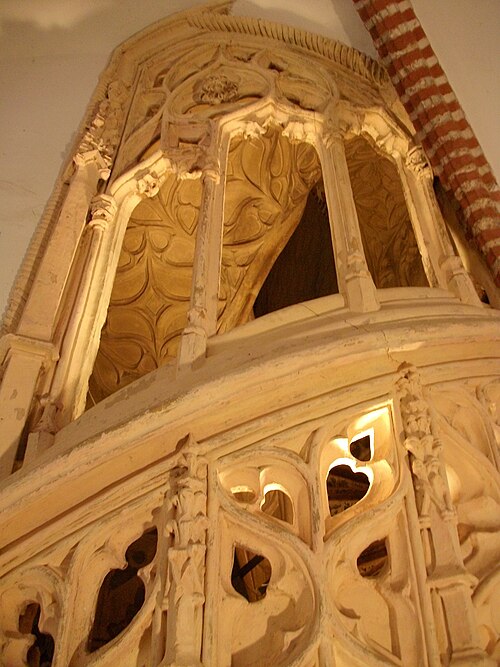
[103, 210]
[251, 129]
[300, 131]
[417, 162]
[211, 172]
[340, 120]
[93, 156]
[331, 135]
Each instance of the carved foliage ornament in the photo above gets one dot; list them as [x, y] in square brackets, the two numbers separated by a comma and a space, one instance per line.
[104, 131]
[184, 587]
[216, 89]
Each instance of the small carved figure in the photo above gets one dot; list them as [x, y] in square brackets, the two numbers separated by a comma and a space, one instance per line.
[424, 447]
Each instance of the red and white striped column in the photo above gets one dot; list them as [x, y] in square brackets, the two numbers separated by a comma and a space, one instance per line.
[442, 129]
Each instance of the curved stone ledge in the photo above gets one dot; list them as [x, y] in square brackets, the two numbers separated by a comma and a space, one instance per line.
[129, 437]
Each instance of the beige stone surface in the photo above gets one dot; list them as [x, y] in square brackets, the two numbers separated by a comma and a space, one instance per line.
[185, 483]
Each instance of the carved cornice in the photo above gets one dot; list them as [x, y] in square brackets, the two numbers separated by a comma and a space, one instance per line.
[343, 55]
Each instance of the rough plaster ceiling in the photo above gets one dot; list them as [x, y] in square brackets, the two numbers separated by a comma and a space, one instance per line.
[52, 51]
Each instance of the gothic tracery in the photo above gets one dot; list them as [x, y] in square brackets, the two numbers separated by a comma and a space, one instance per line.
[276, 489]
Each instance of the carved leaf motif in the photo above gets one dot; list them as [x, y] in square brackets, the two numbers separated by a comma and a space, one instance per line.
[150, 298]
[389, 243]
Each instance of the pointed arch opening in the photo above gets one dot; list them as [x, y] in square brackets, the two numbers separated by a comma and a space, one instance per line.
[150, 298]
[389, 242]
[276, 248]
[122, 592]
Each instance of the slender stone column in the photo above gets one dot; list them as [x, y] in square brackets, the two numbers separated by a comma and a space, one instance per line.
[354, 277]
[202, 314]
[74, 383]
[66, 398]
[42, 311]
[442, 266]
[40, 314]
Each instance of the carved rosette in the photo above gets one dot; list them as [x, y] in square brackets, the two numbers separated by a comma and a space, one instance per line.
[216, 89]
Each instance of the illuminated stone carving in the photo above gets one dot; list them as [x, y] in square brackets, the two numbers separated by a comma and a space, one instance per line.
[310, 485]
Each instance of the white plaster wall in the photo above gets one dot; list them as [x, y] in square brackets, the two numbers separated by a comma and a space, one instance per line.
[52, 51]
